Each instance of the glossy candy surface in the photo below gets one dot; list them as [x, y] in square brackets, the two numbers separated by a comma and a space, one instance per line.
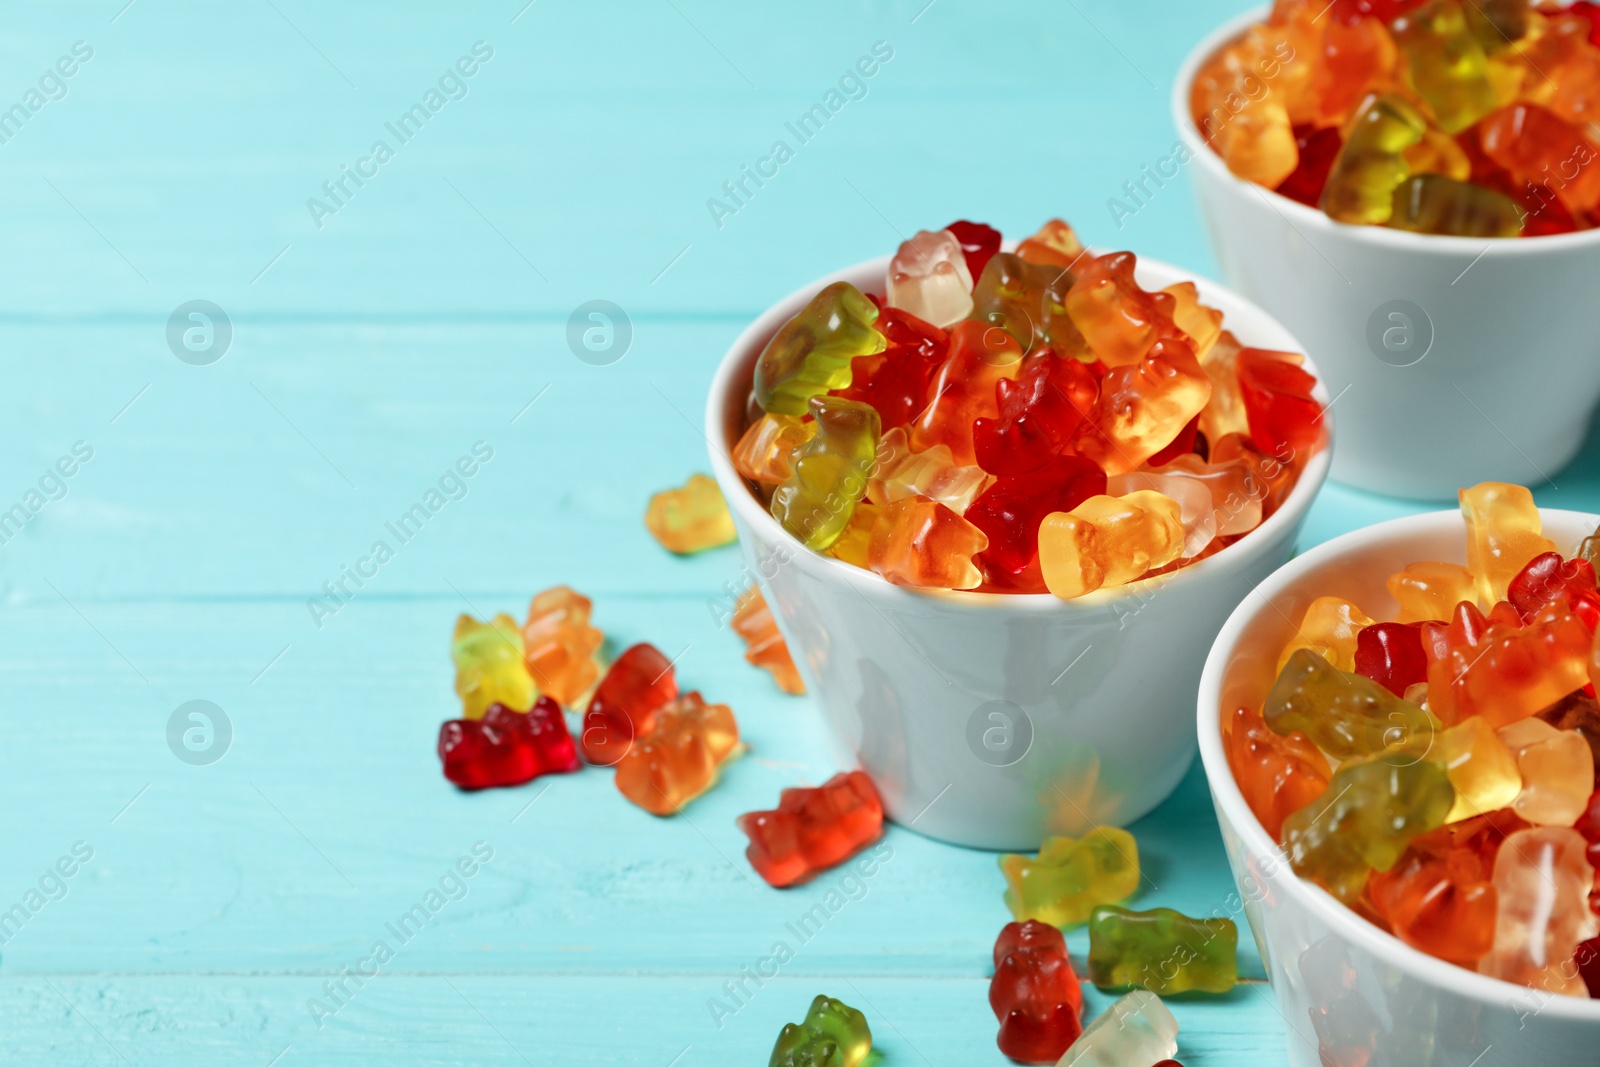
[1135, 1029]
[1034, 993]
[833, 1034]
[1162, 950]
[813, 829]
[829, 472]
[811, 353]
[507, 747]
[677, 758]
[1108, 541]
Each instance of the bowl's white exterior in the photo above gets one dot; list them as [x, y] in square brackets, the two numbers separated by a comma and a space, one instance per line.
[1349, 992]
[1512, 376]
[991, 720]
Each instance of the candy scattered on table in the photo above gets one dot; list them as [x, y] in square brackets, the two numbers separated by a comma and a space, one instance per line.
[1438, 773]
[507, 747]
[1459, 117]
[1027, 422]
[490, 665]
[1135, 1029]
[1161, 950]
[1034, 993]
[813, 829]
[1071, 877]
[677, 758]
[764, 645]
[692, 518]
[559, 645]
[638, 684]
[833, 1034]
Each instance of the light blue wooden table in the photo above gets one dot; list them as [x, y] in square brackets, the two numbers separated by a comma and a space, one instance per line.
[377, 336]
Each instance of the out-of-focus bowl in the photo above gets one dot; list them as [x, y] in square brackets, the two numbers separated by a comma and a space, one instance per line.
[1454, 360]
[1349, 992]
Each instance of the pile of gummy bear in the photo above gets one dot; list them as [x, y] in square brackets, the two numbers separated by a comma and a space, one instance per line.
[1438, 773]
[1021, 421]
[1464, 117]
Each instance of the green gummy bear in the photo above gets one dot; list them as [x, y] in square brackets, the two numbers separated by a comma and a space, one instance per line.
[828, 473]
[1016, 296]
[833, 1034]
[1346, 715]
[1365, 819]
[1434, 203]
[1445, 63]
[811, 353]
[1371, 165]
[1161, 950]
[1070, 878]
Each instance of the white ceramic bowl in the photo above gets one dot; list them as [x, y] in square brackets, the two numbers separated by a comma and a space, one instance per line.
[1346, 989]
[996, 720]
[1456, 360]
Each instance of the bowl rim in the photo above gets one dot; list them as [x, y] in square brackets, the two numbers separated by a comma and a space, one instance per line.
[1231, 805]
[747, 346]
[1303, 218]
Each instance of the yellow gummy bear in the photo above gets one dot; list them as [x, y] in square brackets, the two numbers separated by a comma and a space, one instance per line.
[490, 668]
[1372, 164]
[1503, 533]
[1070, 878]
[1329, 629]
[690, 519]
[1430, 591]
[1108, 541]
[1481, 768]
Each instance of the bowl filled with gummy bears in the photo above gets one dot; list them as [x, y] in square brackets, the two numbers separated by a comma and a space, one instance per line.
[1412, 187]
[1408, 798]
[999, 498]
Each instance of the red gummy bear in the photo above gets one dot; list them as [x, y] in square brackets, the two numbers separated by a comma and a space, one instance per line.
[895, 381]
[979, 243]
[1588, 959]
[1284, 418]
[813, 829]
[1011, 509]
[1549, 579]
[1390, 653]
[507, 747]
[1318, 148]
[1039, 412]
[624, 705]
[1034, 993]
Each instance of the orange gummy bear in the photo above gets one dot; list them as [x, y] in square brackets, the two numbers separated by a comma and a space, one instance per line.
[677, 759]
[963, 388]
[559, 644]
[920, 542]
[1278, 773]
[1499, 669]
[1440, 896]
[1120, 320]
[1144, 405]
[1430, 591]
